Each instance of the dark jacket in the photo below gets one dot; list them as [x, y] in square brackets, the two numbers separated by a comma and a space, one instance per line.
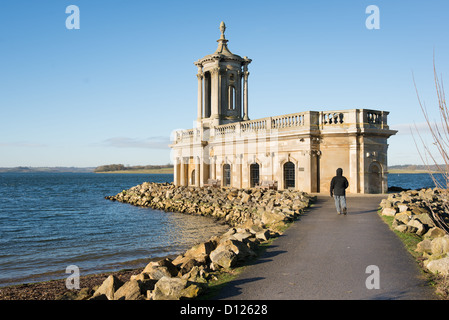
[339, 184]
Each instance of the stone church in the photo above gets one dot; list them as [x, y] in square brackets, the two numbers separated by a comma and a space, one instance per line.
[300, 150]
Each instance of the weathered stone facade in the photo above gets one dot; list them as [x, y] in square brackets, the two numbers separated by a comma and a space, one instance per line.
[300, 150]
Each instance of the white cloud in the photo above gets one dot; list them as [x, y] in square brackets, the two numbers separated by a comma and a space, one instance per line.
[159, 142]
[411, 128]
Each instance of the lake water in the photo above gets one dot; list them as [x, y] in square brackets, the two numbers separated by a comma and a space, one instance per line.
[413, 181]
[50, 221]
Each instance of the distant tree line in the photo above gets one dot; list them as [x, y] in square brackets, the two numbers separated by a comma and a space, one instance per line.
[121, 167]
[414, 167]
[48, 169]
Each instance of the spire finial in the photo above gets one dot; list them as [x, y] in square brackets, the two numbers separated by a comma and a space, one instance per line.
[222, 47]
[222, 29]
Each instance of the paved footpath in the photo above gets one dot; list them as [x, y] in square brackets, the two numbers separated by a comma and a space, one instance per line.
[325, 256]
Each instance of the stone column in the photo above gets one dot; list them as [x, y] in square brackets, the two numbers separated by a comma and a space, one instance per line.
[354, 154]
[183, 173]
[215, 95]
[175, 172]
[308, 167]
[245, 93]
[211, 167]
[200, 96]
[238, 165]
[202, 168]
[197, 172]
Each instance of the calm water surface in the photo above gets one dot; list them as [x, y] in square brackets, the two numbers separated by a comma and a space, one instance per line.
[413, 181]
[50, 221]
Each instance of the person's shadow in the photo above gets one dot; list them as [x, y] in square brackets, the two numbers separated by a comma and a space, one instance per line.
[233, 288]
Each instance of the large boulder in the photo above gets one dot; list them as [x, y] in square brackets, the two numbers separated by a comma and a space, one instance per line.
[159, 269]
[434, 232]
[242, 235]
[404, 228]
[403, 217]
[108, 288]
[389, 212]
[223, 257]
[272, 217]
[263, 235]
[424, 246]
[245, 197]
[440, 245]
[440, 266]
[174, 289]
[425, 219]
[230, 251]
[420, 228]
[402, 207]
[201, 251]
[131, 290]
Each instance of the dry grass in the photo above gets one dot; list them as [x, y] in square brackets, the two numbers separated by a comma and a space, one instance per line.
[439, 132]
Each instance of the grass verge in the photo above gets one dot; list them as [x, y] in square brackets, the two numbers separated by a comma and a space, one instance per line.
[410, 241]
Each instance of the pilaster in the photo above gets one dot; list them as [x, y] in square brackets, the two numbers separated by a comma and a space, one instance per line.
[200, 97]
[245, 92]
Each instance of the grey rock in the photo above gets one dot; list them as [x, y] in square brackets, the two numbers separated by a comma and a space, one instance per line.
[108, 287]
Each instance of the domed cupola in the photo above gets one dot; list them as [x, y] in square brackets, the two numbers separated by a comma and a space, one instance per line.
[221, 90]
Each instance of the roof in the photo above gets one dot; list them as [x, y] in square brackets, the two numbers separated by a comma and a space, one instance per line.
[222, 52]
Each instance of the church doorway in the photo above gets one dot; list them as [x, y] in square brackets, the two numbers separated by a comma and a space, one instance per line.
[227, 175]
[254, 174]
[289, 175]
[375, 178]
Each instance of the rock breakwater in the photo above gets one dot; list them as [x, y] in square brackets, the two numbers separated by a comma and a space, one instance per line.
[236, 207]
[424, 213]
[254, 216]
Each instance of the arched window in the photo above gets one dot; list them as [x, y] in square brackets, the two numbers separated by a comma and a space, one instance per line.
[192, 177]
[289, 175]
[207, 94]
[227, 175]
[231, 97]
[254, 174]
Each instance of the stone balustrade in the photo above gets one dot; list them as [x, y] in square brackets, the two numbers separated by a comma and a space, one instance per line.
[287, 121]
[225, 129]
[334, 120]
[254, 125]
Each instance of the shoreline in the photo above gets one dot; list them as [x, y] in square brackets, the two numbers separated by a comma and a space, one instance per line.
[155, 171]
[397, 171]
[32, 279]
[56, 289]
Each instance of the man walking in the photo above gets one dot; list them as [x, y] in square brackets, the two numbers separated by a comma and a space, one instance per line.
[339, 184]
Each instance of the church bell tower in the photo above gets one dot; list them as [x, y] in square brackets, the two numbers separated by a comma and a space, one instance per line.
[222, 86]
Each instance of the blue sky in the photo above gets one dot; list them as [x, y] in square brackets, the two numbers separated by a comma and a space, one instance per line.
[114, 90]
